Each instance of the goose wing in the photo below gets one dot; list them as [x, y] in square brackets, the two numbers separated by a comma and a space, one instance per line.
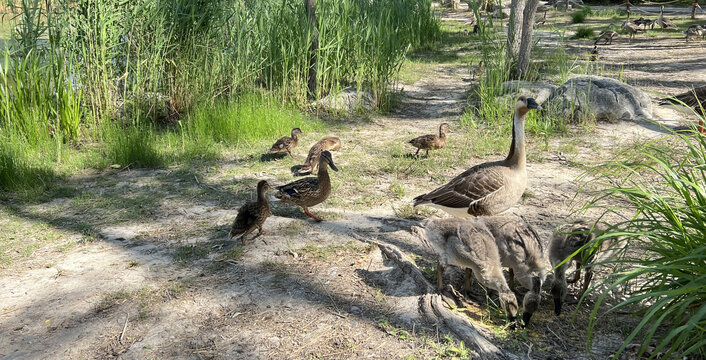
[472, 186]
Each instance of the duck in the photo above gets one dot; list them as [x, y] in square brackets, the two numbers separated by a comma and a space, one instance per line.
[694, 99]
[252, 215]
[329, 143]
[566, 240]
[607, 37]
[286, 144]
[630, 27]
[470, 246]
[521, 251]
[431, 141]
[309, 191]
[492, 187]
[663, 22]
[478, 71]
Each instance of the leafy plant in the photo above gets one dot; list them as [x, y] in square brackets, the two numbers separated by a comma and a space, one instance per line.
[662, 190]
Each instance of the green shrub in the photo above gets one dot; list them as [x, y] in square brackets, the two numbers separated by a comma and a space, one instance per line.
[578, 17]
[584, 33]
[663, 195]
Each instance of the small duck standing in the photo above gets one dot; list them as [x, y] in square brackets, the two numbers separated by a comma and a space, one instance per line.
[286, 144]
[252, 215]
[431, 141]
[310, 191]
[329, 143]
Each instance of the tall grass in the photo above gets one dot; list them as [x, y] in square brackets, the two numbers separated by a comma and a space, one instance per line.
[661, 194]
[126, 75]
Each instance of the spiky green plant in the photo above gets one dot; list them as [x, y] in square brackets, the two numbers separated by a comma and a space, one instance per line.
[661, 196]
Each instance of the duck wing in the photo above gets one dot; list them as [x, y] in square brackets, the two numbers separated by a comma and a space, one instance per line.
[298, 189]
[282, 144]
[245, 220]
[472, 186]
[423, 141]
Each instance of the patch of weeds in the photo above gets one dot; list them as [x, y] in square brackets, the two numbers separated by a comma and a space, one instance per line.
[235, 254]
[397, 189]
[584, 33]
[429, 272]
[112, 299]
[407, 211]
[323, 252]
[133, 264]
[186, 253]
[578, 17]
[380, 298]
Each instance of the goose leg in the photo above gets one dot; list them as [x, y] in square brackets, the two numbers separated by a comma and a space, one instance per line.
[512, 279]
[467, 284]
[312, 215]
[439, 277]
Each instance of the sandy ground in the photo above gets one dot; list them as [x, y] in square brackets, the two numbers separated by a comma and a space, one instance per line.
[151, 275]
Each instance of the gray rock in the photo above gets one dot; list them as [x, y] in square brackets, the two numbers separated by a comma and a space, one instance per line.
[538, 90]
[601, 98]
[348, 101]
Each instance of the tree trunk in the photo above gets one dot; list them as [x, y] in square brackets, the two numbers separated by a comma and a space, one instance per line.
[313, 48]
[514, 30]
[527, 31]
[693, 8]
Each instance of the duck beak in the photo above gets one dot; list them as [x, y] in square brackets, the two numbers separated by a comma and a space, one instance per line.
[333, 166]
[557, 306]
[531, 104]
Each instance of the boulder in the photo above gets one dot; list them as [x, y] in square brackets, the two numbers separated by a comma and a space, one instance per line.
[349, 100]
[538, 90]
[602, 98]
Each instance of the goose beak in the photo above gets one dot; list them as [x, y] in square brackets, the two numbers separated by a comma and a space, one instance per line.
[531, 104]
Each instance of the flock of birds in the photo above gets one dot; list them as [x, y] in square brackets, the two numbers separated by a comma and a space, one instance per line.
[477, 238]
[633, 27]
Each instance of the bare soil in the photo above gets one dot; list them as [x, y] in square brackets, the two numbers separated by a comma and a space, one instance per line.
[136, 263]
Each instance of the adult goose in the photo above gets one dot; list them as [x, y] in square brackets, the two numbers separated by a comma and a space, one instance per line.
[492, 187]
[695, 99]
[663, 22]
[631, 27]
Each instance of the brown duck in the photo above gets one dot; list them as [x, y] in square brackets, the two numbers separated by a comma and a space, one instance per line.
[286, 144]
[329, 143]
[492, 187]
[309, 191]
[431, 141]
[252, 215]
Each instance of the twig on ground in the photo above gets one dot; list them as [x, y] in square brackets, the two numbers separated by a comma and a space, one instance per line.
[122, 333]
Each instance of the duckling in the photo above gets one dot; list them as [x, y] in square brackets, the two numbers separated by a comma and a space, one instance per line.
[607, 37]
[431, 142]
[565, 241]
[478, 71]
[252, 215]
[663, 22]
[492, 187]
[695, 99]
[468, 245]
[309, 191]
[476, 29]
[329, 143]
[286, 143]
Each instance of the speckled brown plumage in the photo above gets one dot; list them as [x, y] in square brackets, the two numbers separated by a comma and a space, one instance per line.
[329, 143]
[431, 141]
[286, 144]
[252, 215]
[309, 191]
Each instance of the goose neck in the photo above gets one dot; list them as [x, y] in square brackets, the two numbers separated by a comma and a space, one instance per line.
[516, 156]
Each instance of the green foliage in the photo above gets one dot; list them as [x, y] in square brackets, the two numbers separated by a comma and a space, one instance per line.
[663, 192]
[578, 17]
[584, 33]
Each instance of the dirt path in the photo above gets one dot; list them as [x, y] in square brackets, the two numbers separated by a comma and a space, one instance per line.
[150, 246]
